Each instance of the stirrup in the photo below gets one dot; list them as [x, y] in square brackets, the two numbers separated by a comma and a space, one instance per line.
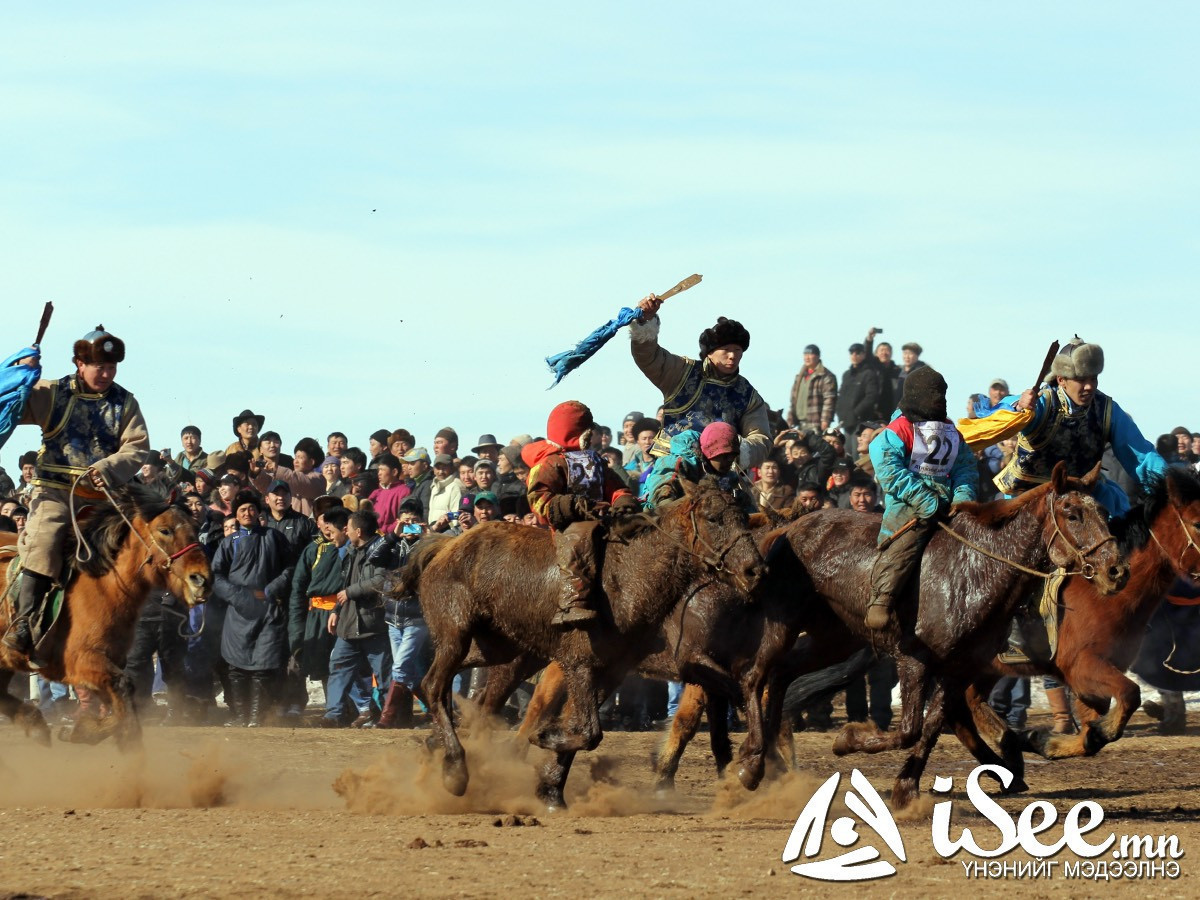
[573, 617]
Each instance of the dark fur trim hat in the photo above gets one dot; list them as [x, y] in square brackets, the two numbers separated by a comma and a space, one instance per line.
[726, 331]
[244, 497]
[1078, 359]
[924, 398]
[98, 347]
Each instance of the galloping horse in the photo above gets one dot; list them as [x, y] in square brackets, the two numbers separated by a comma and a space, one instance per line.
[1099, 636]
[970, 583]
[489, 595]
[141, 544]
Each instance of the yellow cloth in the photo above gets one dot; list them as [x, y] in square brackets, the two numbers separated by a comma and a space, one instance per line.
[1000, 425]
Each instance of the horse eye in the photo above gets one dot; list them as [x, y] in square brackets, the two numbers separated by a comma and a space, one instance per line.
[165, 532]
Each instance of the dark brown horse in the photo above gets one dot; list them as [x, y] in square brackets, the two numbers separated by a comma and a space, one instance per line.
[489, 596]
[724, 648]
[966, 600]
[101, 607]
[1098, 635]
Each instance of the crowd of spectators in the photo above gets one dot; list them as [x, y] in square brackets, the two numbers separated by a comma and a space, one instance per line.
[303, 543]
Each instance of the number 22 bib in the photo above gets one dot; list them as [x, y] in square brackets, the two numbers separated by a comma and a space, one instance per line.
[935, 448]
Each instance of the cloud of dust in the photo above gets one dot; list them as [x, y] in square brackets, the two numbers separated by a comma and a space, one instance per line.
[503, 772]
[779, 798]
[160, 777]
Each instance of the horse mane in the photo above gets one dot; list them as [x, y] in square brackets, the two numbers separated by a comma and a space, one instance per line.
[1132, 530]
[410, 575]
[995, 513]
[104, 531]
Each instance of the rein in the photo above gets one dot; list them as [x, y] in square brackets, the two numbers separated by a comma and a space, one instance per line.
[1086, 569]
[710, 557]
[81, 544]
[1191, 545]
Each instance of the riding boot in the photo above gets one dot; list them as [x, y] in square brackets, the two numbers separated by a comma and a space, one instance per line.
[260, 699]
[238, 698]
[397, 708]
[34, 587]
[575, 557]
[1060, 705]
[897, 559]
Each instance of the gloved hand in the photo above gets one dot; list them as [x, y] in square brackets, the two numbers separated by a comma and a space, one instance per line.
[565, 509]
[625, 506]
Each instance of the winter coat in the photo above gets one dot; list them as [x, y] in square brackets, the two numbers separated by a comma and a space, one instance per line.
[305, 487]
[421, 489]
[909, 492]
[300, 531]
[318, 574]
[362, 613]
[858, 398]
[814, 397]
[255, 632]
[444, 496]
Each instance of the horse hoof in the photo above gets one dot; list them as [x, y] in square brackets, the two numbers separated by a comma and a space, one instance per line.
[750, 776]
[65, 733]
[665, 787]
[1017, 786]
[904, 794]
[454, 777]
[1034, 740]
[842, 745]
[552, 800]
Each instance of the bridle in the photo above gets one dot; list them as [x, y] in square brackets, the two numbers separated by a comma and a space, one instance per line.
[1191, 545]
[81, 544]
[701, 549]
[1086, 569]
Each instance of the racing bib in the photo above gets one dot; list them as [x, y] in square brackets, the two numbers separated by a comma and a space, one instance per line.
[935, 448]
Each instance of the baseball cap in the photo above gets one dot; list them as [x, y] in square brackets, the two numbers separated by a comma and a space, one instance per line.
[488, 497]
[417, 454]
[279, 486]
[1000, 383]
[443, 459]
[813, 349]
[633, 417]
[857, 348]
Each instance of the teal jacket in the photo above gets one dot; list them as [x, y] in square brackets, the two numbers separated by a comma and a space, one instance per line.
[922, 468]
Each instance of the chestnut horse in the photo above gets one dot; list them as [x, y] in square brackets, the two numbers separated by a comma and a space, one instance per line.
[1099, 636]
[141, 544]
[489, 595]
[971, 579]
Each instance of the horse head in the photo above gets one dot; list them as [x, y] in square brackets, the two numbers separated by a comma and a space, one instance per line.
[718, 533]
[1075, 528]
[166, 533]
[1176, 527]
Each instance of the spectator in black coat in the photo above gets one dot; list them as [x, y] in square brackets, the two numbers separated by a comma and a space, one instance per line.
[858, 396]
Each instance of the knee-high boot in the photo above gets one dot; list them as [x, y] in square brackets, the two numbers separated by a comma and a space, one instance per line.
[238, 689]
[1060, 705]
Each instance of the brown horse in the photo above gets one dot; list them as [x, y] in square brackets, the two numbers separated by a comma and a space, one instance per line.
[1099, 636]
[723, 647]
[969, 584]
[142, 544]
[488, 598]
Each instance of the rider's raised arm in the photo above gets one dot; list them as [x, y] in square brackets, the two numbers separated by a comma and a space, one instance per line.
[1135, 454]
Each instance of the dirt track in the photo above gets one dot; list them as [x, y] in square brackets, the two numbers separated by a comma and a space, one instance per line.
[255, 813]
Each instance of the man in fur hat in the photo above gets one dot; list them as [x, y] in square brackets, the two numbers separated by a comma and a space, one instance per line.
[1072, 422]
[93, 437]
[697, 392]
[568, 487]
[924, 468]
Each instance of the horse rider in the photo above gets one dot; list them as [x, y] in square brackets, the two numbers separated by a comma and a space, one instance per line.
[1072, 422]
[924, 468]
[698, 392]
[93, 438]
[694, 455]
[569, 487]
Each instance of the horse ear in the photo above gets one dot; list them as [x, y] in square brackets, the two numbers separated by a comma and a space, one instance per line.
[1092, 478]
[1058, 478]
[689, 489]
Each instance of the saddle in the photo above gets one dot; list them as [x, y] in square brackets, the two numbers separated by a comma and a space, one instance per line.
[1034, 634]
[44, 620]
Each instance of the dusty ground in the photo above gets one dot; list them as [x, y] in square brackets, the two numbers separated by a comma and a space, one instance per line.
[221, 812]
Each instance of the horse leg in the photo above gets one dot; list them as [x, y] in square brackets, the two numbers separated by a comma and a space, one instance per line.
[502, 680]
[858, 737]
[961, 716]
[1095, 680]
[581, 713]
[684, 726]
[547, 701]
[22, 713]
[779, 754]
[437, 685]
[908, 782]
[716, 707]
[126, 726]
[990, 726]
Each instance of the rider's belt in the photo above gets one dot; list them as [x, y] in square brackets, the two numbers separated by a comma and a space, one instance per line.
[60, 478]
[328, 602]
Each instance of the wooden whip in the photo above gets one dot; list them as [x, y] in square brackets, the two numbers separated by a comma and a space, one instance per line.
[47, 312]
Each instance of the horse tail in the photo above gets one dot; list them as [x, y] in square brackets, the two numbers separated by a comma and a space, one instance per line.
[426, 550]
[826, 682]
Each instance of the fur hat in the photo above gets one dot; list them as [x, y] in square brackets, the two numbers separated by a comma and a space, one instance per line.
[244, 497]
[726, 331]
[568, 422]
[1078, 359]
[924, 398]
[97, 347]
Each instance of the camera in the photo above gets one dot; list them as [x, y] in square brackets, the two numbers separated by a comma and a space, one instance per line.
[411, 528]
[452, 516]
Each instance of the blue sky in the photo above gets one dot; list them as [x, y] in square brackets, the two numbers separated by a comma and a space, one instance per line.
[357, 216]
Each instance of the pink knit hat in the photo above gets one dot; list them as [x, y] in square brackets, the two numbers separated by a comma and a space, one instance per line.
[718, 438]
